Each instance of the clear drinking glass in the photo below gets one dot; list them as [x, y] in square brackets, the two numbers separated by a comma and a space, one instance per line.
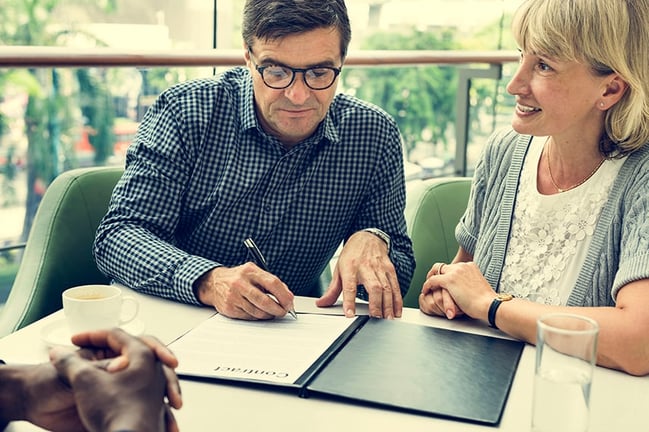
[566, 348]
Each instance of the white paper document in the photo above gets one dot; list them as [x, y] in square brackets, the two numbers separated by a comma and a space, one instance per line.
[277, 351]
[306, 305]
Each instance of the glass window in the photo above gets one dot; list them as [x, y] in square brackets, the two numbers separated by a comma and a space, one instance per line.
[52, 120]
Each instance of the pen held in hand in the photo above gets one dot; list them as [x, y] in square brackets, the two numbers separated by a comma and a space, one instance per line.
[259, 259]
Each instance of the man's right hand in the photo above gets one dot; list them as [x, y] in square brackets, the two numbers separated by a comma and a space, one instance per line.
[242, 292]
[132, 398]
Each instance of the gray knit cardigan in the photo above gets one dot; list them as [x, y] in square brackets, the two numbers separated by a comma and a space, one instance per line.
[619, 251]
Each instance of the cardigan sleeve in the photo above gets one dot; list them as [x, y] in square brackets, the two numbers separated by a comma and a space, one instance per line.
[467, 230]
[490, 174]
[633, 248]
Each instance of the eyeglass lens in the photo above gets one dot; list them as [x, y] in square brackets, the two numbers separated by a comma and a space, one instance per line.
[281, 77]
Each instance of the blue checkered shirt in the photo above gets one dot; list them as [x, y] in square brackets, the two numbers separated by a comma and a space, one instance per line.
[202, 175]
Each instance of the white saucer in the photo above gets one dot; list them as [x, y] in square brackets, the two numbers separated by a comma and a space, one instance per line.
[57, 333]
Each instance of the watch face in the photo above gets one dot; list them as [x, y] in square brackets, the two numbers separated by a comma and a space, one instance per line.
[505, 297]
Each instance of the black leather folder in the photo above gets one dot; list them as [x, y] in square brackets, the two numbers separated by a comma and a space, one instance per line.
[401, 366]
[422, 369]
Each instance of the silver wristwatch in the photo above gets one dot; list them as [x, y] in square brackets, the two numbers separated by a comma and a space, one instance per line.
[380, 234]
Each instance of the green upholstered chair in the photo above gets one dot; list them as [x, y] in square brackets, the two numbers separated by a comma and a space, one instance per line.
[433, 209]
[58, 253]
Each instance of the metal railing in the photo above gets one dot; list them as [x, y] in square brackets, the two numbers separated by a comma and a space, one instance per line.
[12, 246]
[32, 56]
[473, 64]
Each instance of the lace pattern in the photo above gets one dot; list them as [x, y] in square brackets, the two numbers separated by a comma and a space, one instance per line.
[551, 233]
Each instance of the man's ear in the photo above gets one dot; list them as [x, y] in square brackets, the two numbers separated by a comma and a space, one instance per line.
[246, 53]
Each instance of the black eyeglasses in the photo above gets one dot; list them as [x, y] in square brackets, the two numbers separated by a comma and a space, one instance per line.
[281, 77]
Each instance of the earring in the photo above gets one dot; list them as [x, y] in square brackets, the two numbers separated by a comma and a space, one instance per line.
[601, 104]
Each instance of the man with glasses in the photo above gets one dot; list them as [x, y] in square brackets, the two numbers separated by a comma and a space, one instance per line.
[267, 152]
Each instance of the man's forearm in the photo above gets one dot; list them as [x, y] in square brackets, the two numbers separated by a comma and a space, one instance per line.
[3, 394]
[12, 381]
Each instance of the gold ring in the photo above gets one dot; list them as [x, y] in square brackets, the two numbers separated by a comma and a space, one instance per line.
[439, 270]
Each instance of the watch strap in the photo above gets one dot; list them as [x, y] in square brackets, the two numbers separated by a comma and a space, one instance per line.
[380, 234]
[493, 308]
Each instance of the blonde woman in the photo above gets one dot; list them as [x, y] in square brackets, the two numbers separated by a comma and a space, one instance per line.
[557, 219]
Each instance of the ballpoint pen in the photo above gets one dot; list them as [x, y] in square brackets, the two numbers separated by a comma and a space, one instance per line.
[261, 262]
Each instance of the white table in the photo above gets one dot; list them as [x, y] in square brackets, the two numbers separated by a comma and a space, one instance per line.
[619, 402]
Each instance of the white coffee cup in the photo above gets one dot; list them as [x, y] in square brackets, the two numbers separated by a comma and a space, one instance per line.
[92, 307]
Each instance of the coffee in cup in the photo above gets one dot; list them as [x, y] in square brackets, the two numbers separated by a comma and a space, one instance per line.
[92, 307]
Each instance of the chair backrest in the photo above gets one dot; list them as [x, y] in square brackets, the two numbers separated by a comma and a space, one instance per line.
[433, 209]
[58, 253]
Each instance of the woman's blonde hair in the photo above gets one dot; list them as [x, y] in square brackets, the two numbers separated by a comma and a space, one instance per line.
[609, 36]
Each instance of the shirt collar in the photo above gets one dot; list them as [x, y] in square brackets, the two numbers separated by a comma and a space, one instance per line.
[330, 131]
[247, 104]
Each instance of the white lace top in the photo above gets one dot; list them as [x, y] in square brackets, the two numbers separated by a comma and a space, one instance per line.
[551, 234]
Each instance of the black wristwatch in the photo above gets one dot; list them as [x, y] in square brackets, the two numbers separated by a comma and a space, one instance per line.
[495, 304]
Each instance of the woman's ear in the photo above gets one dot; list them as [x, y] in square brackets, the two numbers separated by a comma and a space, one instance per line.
[614, 91]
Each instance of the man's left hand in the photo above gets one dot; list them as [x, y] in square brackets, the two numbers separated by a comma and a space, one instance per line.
[364, 261]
